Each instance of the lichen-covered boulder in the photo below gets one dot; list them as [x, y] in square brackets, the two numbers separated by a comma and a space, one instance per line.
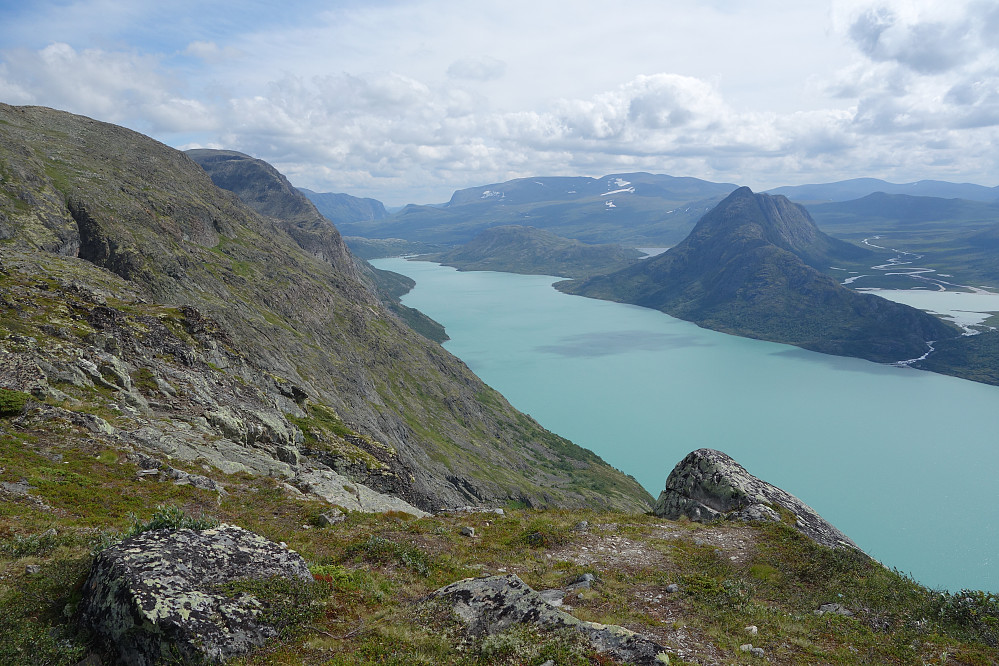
[708, 484]
[496, 603]
[157, 596]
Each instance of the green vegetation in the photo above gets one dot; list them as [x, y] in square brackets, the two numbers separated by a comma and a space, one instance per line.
[974, 357]
[12, 402]
[373, 573]
[325, 431]
[169, 517]
[517, 249]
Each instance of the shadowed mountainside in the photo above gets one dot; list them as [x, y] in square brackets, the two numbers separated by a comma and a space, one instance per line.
[748, 268]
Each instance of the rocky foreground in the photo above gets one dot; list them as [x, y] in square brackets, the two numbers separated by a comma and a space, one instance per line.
[750, 583]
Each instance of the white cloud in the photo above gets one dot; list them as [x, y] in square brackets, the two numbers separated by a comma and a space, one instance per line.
[484, 68]
[211, 52]
[394, 101]
[121, 87]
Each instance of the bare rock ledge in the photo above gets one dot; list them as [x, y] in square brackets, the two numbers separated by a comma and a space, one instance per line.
[496, 603]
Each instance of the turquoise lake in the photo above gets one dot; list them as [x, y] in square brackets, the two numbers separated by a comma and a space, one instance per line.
[903, 461]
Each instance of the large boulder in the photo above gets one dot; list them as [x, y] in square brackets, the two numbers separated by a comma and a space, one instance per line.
[494, 604]
[708, 485]
[157, 596]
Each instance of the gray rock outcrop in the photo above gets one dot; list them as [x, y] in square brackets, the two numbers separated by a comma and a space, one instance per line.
[492, 605]
[157, 596]
[708, 485]
[342, 491]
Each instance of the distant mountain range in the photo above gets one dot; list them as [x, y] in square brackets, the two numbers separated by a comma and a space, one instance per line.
[903, 212]
[642, 209]
[341, 208]
[857, 188]
[750, 268]
[637, 209]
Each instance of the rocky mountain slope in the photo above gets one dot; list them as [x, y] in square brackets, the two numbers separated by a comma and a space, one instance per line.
[518, 249]
[261, 187]
[748, 268]
[154, 311]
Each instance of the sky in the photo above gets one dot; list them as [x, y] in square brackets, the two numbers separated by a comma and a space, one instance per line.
[406, 102]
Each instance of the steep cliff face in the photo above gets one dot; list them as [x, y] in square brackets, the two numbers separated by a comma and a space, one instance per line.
[748, 268]
[132, 282]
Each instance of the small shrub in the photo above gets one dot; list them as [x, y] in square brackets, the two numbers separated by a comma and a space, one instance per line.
[166, 517]
[974, 611]
[735, 593]
[144, 380]
[379, 549]
[12, 402]
[545, 533]
[34, 545]
[700, 586]
[290, 604]
[169, 517]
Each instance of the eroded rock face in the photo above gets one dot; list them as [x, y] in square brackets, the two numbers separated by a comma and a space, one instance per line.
[156, 596]
[494, 604]
[708, 484]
